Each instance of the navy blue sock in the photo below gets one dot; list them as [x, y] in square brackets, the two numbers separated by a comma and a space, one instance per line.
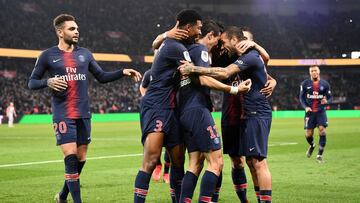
[240, 183]
[257, 193]
[72, 177]
[141, 186]
[265, 196]
[207, 187]
[65, 190]
[310, 140]
[188, 187]
[166, 162]
[176, 176]
[215, 197]
[322, 143]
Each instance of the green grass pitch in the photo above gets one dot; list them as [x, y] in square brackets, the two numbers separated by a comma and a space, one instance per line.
[31, 167]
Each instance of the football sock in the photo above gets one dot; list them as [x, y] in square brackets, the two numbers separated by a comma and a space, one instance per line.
[176, 176]
[65, 190]
[240, 183]
[188, 187]
[265, 196]
[72, 177]
[310, 140]
[257, 193]
[141, 186]
[215, 197]
[207, 187]
[322, 143]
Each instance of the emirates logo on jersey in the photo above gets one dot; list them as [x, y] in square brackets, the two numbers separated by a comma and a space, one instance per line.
[72, 75]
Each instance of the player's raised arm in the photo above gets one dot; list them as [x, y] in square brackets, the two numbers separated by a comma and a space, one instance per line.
[35, 81]
[244, 45]
[174, 33]
[212, 83]
[104, 77]
[215, 72]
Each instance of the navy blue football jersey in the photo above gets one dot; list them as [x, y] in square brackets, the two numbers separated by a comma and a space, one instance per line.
[192, 94]
[146, 79]
[161, 93]
[73, 67]
[252, 67]
[311, 94]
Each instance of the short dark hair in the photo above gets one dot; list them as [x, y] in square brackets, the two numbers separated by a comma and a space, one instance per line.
[59, 20]
[210, 26]
[233, 31]
[188, 16]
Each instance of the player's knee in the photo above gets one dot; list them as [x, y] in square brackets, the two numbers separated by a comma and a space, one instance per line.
[259, 163]
[237, 162]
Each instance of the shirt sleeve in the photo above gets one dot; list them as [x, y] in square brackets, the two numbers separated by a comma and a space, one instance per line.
[35, 81]
[101, 75]
[200, 57]
[302, 95]
[246, 61]
[177, 53]
[146, 79]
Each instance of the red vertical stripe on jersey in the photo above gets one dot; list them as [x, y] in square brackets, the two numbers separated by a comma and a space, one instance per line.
[72, 92]
[315, 104]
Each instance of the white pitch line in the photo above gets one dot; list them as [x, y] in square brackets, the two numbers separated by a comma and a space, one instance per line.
[110, 157]
[282, 144]
[58, 161]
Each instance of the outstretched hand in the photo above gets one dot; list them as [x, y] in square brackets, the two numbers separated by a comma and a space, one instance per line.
[132, 73]
[269, 88]
[176, 33]
[57, 84]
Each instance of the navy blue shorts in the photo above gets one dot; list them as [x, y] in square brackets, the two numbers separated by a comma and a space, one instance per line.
[200, 130]
[160, 120]
[254, 141]
[315, 119]
[232, 138]
[72, 130]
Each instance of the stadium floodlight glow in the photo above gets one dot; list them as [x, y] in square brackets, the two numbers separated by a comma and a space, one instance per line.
[355, 54]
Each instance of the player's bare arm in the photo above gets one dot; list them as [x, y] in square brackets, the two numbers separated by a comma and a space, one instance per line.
[57, 84]
[269, 86]
[216, 72]
[132, 73]
[212, 83]
[174, 33]
[244, 45]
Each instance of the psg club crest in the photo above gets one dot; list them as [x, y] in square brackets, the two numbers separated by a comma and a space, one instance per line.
[81, 58]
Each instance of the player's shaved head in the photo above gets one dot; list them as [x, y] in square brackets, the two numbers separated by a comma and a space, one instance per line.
[59, 20]
[188, 16]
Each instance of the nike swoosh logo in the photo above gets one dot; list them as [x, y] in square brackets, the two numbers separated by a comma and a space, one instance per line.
[56, 60]
[251, 149]
[308, 87]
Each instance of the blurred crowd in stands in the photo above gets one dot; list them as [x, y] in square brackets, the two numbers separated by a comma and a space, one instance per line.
[129, 27]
